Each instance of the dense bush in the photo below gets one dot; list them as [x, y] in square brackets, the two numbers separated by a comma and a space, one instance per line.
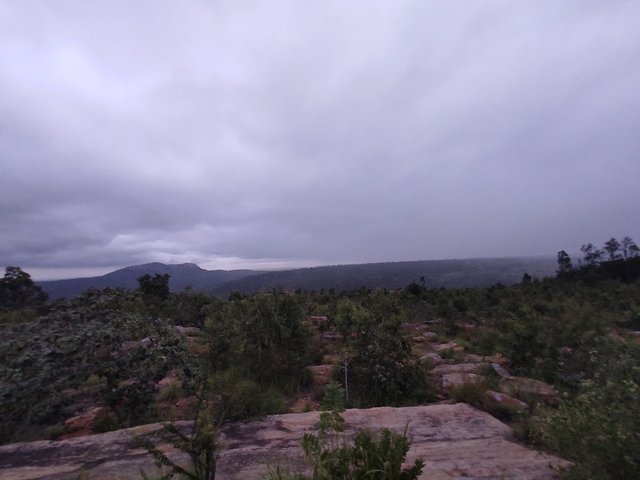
[369, 455]
[599, 428]
[17, 290]
[90, 350]
[382, 367]
[241, 397]
[262, 336]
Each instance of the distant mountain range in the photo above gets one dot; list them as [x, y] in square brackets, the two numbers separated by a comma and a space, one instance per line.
[437, 273]
[182, 276]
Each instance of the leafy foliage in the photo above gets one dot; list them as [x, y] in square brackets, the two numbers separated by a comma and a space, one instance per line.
[597, 429]
[377, 456]
[154, 289]
[264, 337]
[242, 397]
[45, 362]
[383, 370]
[200, 445]
[17, 290]
[564, 263]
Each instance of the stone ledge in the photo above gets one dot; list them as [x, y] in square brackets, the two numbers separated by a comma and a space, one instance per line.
[455, 441]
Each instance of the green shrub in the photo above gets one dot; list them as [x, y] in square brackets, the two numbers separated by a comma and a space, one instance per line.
[598, 429]
[369, 456]
[52, 432]
[171, 392]
[447, 354]
[93, 345]
[383, 369]
[200, 444]
[263, 337]
[105, 421]
[242, 398]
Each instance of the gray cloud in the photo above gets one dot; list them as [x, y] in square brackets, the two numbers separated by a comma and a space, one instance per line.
[293, 133]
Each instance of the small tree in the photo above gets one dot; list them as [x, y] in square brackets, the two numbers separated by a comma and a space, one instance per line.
[370, 456]
[200, 445]
[17, 290]
[564, 263]
[350, 317]
[383, 368]
[154, 288]
[629, 248]
[612, 247]
[263, 337]
[592, 255]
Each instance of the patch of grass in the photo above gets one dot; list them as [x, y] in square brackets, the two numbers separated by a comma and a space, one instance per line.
[468, 346]
[471, 393]
[447, 354]
[106, 421]
[244, 398]
[492, 379]
[94, 380]
[53, 432]
[171, 392]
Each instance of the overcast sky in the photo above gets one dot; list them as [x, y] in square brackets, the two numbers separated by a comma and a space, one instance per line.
[274, 134]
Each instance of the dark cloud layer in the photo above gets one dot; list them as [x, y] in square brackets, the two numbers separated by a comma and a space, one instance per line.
[268, 134]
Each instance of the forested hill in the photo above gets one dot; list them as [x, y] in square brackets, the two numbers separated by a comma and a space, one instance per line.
[436, 273]
[181, 276]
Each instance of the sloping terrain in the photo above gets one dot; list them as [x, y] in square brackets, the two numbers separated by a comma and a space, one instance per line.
[182, 276]
[455, 441]
[437, 273]
[479, 272]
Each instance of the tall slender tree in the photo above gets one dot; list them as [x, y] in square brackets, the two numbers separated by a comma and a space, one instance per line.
[564, 263]
[612, 247]
[592, 255]
[629, 248]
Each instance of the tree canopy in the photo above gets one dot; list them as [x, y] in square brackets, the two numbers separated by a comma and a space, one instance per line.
[17, 290]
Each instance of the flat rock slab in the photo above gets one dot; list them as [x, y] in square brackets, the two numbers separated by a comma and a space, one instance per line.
[459, 368]
[455, 441]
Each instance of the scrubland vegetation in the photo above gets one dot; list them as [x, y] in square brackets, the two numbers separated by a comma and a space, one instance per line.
[149, 355]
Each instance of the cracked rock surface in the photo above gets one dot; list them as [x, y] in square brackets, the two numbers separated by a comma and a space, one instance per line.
[455, 441]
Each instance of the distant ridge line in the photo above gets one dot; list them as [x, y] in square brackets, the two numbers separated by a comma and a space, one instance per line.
[453, 273]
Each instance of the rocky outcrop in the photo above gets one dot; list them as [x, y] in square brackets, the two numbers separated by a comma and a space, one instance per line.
[189, 331]
[497, 400]
[455, 441]
[452, 381]
[501, 371]
[430, 336]
[431, 357]
[523, 387]
[452, 346]
[82, 424]
[459, 368]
